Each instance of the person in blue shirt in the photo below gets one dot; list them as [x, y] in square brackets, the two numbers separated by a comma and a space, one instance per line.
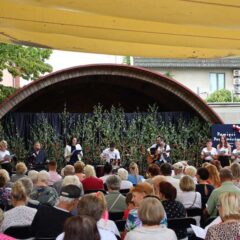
[134, 176]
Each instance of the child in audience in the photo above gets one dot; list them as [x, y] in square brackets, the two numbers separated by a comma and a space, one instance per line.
[130, 205]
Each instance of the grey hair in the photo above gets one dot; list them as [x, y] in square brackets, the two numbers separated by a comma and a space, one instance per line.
[27, 183]
[113, 182]
[43, 176]
[33, 175]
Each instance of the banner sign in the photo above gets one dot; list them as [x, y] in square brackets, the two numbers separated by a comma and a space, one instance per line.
[231, 131]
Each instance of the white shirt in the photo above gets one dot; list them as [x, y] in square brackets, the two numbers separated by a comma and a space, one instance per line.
[174, 181]
[166, 149]
[223, 150]
[236, 153]
[108, 225]
[208, 155]
[104, 178]
[4, 154]
[146, 233]
[190, 199]
[125, 184]
[67, 152]
[18, 216]
[108, 154]
[104, 235]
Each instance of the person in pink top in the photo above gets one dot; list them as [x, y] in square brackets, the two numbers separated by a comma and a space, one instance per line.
[52, 170]
[91, 182]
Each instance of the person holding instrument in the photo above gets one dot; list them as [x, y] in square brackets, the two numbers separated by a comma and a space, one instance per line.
[209, 153]
[5, 157]
[73, 151]
[159, 152]
[224, 151]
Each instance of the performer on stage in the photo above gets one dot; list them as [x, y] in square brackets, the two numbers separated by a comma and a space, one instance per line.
[73, 151]
[159, 152]
[209, 153]
[224, 151]
[236, 153]
[5, 157]
[112, 156]
[38, 158]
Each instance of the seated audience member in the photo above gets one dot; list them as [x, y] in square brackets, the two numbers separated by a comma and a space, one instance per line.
[20, 215]
[214, 178]
[48, 221]
[42, 192]
[3, 236]
[91, 182]
[152, 171]
[229, 211]
[68, 170]
[115, 200]
[191, 171]
[203, 187]
[33, 175]
[151, 213]
[5, 192]
[81, 227]
[173, 208]
[130, 205]
[92, 206]
[139, 192]
[73, 180]
[226, 186]
[178, 170]
[134, 176]
[156, 181]
[79, 170]
[123, 174]
[107, 172]
[166, 170]
[28, 185]
[235, 168]
[188, 197]
[21, 170]
[53, 175]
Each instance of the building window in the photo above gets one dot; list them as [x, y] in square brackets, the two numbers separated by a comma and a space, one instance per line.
[217, 81]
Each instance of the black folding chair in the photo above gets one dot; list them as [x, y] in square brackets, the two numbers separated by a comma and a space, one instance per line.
[114, 216]
[120, 225]
[19, 232]
[193, 212]
[95, 190]
[124, 191]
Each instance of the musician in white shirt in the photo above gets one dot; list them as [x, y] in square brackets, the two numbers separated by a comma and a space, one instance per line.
[111, 155]
[209, 153]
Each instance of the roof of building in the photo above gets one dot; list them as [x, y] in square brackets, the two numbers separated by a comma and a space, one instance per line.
[187, 63]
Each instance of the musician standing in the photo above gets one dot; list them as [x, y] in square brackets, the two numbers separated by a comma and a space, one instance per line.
[160, 151]
[111, 155]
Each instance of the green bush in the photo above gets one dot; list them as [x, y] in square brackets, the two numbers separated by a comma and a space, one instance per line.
[222, 95]
[5, 92]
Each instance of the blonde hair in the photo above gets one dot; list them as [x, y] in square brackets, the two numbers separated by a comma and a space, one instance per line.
[235, 168]
[122, 173]
[1, 216]
[133, 167]
[150, 211]
[190, 171]
[187, 184]
[73, 180]
[21, 168]
[89, 171]
[3, 143]
[4, 177]
[230, 205]
[213, 174]
[18, 192]
[156, 181]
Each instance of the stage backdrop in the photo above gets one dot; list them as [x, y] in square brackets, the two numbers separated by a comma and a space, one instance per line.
[231, 131]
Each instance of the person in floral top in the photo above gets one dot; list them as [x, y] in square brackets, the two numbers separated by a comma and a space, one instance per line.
[5, 192]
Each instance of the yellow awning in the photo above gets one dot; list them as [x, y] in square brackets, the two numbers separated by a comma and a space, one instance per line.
[150, 28]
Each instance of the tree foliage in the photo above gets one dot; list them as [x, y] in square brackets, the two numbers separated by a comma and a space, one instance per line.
[26, 62]
[222, 95]
[5, 92]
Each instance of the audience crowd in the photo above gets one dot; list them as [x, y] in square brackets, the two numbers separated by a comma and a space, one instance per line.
[75, 204]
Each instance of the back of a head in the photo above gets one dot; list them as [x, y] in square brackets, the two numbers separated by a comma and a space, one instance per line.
[153, 170]
[52, 165]
[68, 170]
[168, 190]
[89, 171]
[107, 168]
[187, 184]
[166, 169]
[122, 173]
[143, 187]
[225, 175]
[79, 167]
[91, 205]
[74, 180]
[4, 177]
[33, 175]
[43, 176]
[83, 226]
[151, 211]
[113, 183]
[235, 168]
[27, 183]
[69, 193]
[21, 168]
[190, 171]
[203, 173]
[18, 192]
